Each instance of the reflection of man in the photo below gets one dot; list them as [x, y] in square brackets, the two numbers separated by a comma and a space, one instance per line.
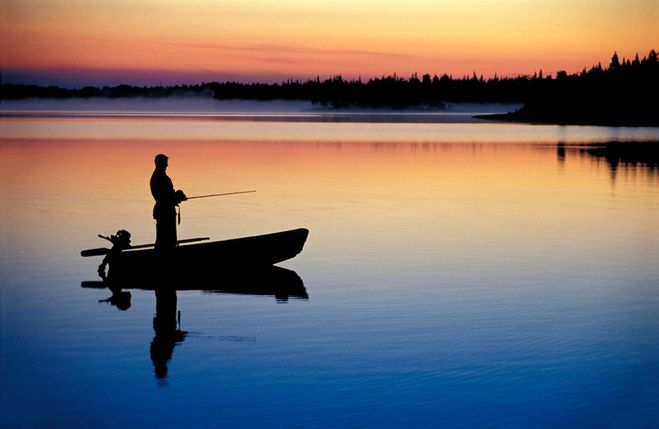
[164, 212]
[167, 333]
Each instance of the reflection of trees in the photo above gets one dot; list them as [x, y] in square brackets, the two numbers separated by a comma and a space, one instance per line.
[560, 153]
[643, 156]
[636, 157]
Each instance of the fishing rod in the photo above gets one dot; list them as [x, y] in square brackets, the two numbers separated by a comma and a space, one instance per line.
[219, 195]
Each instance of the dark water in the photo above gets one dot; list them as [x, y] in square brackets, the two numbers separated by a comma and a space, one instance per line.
[458, 275]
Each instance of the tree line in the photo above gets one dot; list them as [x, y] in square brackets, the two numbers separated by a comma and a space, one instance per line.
[624, 93]
[623, 89]
[333, 92]
[18, 92]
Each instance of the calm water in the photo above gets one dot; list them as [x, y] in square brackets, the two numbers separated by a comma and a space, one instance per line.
[468, 275]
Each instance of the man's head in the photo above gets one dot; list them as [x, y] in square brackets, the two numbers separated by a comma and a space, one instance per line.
[161, 161]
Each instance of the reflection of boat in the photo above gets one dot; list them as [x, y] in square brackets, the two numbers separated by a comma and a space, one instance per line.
[217, 256]
[279, 282]
[276, 281]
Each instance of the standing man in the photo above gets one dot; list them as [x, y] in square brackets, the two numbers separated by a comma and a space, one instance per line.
[164, 212]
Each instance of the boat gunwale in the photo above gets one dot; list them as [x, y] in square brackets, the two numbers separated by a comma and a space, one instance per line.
[230, 241]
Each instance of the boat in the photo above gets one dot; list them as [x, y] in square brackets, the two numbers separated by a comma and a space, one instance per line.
[185, 261]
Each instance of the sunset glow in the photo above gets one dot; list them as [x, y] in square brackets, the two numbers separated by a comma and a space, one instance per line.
[191, 41]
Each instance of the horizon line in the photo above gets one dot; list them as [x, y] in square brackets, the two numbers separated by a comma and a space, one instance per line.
[80, 77]
[62, 77]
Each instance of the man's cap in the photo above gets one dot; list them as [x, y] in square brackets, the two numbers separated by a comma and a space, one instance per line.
[160, 158]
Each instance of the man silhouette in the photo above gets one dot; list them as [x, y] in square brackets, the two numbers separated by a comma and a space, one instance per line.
[164, 211]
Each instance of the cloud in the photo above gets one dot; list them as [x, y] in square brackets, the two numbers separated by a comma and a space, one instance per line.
[271, 49]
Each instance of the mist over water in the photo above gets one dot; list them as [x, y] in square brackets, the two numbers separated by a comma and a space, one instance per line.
[233, 109]
[207, 119]
[173, 104]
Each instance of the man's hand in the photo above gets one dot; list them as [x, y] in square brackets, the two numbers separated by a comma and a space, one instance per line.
[180, 196]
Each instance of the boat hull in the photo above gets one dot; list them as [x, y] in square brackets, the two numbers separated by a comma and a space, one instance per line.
[193, 260]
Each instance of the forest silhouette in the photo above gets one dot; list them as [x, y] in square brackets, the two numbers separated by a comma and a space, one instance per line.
[624, 93]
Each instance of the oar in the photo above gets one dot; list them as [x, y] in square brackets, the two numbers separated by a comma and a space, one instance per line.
[103, 251]
[94, 285]
[219, 195]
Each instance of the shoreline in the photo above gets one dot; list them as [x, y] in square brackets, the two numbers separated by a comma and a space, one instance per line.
[195, 105]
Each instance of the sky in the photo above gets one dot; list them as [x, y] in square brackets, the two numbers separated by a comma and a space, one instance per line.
[96, 42]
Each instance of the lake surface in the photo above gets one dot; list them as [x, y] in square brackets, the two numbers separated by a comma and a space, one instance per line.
[460, 274]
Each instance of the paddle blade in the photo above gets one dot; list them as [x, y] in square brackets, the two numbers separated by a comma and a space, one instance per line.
[95, 252]
[93, 285]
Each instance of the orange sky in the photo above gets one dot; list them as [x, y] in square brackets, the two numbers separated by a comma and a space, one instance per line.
[193, 40]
